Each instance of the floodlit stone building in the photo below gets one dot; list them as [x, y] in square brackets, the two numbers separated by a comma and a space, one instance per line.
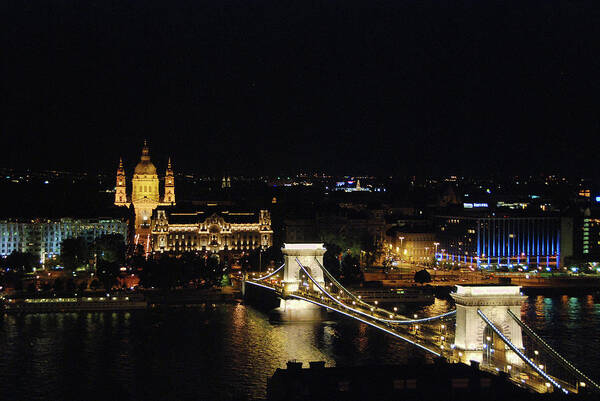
[211, 228]
[145, 195]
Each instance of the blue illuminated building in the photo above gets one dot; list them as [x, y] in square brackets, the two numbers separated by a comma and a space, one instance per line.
[43, 237]
[507, 241]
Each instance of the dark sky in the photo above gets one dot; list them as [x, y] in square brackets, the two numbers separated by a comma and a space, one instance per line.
[263, 86]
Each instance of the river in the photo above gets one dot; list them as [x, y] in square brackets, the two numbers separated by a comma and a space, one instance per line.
[226, 351]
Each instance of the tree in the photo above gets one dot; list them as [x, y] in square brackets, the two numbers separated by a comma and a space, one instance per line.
[59, 285]
[73, 253]
[332, 259]
[350, 268]
[422, 277]
[110, 256]
[82, 286]
[110, 248]
[107, 273]
[225, 282]
[21, 261]
[372, 248]
[138, 259]
[343, 241]
[70, 285]
[95, 284]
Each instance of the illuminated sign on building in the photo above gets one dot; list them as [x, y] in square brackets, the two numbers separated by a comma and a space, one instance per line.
[474, 205]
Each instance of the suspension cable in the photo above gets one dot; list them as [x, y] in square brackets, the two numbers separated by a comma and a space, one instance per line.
[551, 350]
[369, 323]
[355, 298]
[260, 285]
[334, 281]
[395, 321]
[519, 353]
[270, 274]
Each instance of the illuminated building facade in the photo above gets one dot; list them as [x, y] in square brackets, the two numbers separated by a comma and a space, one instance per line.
[590, 238]
[492, 242]
[412, 245]
[212, 229]
[581, 243]
[43, 238]
[145, 194]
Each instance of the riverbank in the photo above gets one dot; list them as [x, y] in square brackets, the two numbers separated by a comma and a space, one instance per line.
[75, 304]
[115, 301]
[532, 283]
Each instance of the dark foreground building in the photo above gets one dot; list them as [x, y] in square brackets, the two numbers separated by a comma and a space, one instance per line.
[438, 381]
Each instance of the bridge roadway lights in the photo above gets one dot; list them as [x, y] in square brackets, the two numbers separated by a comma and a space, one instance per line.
[310, 255]
[494, 301]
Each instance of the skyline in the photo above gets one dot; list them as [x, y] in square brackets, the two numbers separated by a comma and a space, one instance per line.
[278, 199]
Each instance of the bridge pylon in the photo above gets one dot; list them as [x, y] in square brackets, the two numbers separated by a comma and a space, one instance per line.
[473, 340]
[294, 280]
[311, 257]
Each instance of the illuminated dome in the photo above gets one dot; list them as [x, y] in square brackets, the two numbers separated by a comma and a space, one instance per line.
[145, 166]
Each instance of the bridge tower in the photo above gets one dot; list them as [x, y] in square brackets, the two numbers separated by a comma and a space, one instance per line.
[472, 333]
[311, 257]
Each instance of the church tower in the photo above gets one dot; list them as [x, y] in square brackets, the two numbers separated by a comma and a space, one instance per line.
[144, 195]
[169, 185]
[120, 188]
[226, 182]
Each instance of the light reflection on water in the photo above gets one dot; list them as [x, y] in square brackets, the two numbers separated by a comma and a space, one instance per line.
[226, 351]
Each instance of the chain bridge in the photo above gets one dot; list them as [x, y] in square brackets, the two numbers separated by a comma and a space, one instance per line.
[485, 327]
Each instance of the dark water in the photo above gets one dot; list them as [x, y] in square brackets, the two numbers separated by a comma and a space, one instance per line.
[224, 351]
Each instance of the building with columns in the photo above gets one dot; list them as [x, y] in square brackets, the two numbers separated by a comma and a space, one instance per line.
[145, 194]
[213, 228]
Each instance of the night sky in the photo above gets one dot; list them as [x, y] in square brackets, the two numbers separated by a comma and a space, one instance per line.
[256, 86]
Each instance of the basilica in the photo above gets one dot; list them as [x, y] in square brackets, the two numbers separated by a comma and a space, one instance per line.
[162, 226]
[145, 195]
